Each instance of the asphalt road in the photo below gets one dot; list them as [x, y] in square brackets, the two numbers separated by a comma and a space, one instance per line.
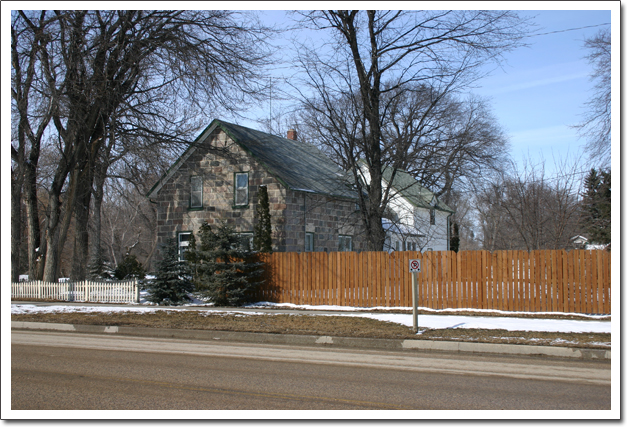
[68, 371]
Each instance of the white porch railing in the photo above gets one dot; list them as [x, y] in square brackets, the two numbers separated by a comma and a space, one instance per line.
[84, 291]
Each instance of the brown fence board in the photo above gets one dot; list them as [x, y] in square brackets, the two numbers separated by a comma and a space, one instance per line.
[548, 280]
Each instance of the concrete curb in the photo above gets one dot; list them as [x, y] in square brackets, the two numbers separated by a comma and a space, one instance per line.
[312, 340]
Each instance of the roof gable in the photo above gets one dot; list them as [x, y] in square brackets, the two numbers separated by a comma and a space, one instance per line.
[410, 189]
[298, 166]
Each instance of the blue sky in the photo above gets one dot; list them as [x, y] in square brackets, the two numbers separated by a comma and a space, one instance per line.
[540, 92]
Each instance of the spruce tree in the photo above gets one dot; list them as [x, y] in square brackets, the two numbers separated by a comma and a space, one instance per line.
[597, 205]
[100, 267]
[130, 268]
[172, 280]
[262, 239]
[224, 270]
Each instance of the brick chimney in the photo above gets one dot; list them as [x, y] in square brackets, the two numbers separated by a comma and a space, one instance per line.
[291, 134]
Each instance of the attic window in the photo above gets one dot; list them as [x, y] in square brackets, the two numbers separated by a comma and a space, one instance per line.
[240, 196]
[196, 192]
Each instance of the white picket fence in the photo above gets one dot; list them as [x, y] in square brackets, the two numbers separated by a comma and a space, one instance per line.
[84, 291]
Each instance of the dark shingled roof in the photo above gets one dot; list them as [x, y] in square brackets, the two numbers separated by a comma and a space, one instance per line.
[300, 166]
[297, 165]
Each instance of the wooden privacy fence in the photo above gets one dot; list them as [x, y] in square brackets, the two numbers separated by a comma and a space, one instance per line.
[538, 281]
[86, 290]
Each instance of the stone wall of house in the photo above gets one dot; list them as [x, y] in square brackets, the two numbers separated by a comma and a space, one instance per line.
[293, 213]
[217, 169]
[325, 217]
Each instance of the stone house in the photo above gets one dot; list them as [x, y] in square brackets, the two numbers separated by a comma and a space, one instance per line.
[313, 206]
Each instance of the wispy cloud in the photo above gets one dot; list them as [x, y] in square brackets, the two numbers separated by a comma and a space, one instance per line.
[536, 83]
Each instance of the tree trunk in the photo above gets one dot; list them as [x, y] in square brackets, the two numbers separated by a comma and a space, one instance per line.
[96, 243]
[81, 225]
[34, 233]
[58, 223]
[17, 179]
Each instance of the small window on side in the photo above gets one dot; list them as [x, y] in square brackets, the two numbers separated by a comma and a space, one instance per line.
[432, 215]
[183, 243]
[345, 243]
[246, 240]
[309, 242]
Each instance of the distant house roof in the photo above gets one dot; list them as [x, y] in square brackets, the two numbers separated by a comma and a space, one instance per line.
[580, 240]
[413, 192]
[297, 165]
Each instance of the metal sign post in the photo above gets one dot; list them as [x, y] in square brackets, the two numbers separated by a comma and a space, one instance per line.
[414, 268]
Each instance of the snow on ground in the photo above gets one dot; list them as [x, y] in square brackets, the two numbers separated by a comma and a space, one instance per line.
[600, 324]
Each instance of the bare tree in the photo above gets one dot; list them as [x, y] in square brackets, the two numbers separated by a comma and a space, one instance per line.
[106, 75]
[528, 210]
[30, 114]
[597, 124]
[464, 218]
[379, 58]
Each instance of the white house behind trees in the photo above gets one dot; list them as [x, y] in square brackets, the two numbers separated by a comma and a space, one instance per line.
[415, 218]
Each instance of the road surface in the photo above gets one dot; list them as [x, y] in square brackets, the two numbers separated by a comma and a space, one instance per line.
[67, 371]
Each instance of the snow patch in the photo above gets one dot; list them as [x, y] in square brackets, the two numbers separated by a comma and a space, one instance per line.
[424, 320]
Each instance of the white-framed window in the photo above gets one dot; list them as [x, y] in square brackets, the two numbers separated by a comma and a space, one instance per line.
[432, 216]
[246, 240]
[240, 196]
[184, 239]
[309, 242]
[196, 192]
[345, 243]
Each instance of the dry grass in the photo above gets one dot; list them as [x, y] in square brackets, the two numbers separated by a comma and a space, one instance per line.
[309, 324]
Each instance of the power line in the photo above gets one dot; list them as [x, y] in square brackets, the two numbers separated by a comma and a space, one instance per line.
[569, 29]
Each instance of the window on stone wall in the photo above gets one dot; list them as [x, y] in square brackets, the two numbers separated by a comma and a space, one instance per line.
[196, 192]
[309, 242]
[241, 189]
[246, 240]
[345, 243]
[183, 243]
